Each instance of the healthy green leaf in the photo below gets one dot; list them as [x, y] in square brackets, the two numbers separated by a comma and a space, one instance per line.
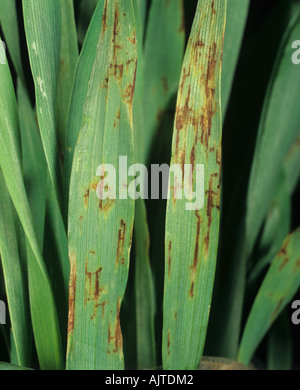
[79, 93]
[11, 367]
[279, 127]
[164, 49]
[237, 12]
[43, 311]
[15, 278]
[42, 20]
[278, 288]
[280, 344]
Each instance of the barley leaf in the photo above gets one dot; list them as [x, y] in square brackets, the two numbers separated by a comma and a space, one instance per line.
[43, 311]
[100, 230]
[15, 278]
[42, 20]
[191, 240]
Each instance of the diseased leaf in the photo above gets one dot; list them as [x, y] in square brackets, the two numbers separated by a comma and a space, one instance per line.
[280, 344]
[279, 127]
[192, 231]
[164, 49]
[79, 94]
[10, 26]
[237, 12]
[42, 20]
[100, 230]
[278, 288]
[67, 65]
[143, 279]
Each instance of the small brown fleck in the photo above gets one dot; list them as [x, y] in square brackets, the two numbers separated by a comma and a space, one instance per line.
[276, 311]
[191, 293]
[284, 263]
[169, 259]
[121, 242]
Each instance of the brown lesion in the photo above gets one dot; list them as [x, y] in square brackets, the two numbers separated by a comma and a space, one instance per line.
[168, 342]
[72, 292]
[102, 305]
[283, 249]
[196, 251]
[86, 197]
[115, 337]
[93, 290]
[284, 263]
[213, 201]
[184, 116]
[121, 243]
[133, 39]
[117, 70]
[213, 7]
[277, 309]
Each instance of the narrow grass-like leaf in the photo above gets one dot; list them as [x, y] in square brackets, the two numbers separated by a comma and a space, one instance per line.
[164, 49]
[42, 20]
[279, 127]
[10, 27]
[15, 278]
[68, 61]
[237, 12]
[79, 93]
[100, 230]
[41, 298]
[191, 240]
[277, 227]
[278, 288]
